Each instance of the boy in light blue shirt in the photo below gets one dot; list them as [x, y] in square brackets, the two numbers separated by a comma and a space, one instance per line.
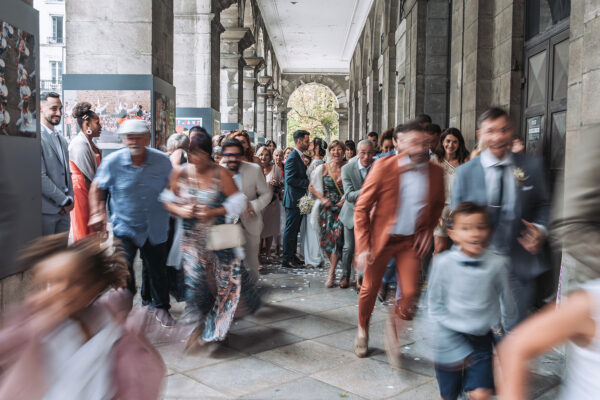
[468, 294]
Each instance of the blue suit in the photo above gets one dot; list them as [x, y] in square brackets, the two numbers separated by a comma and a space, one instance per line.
[296, 185]
[531, 203]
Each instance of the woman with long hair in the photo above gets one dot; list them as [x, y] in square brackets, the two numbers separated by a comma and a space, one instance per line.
[452, 153]
[204, 194]
[246, 142]
[272, 213]
[331, 200]
[84, 158]
[350, 151]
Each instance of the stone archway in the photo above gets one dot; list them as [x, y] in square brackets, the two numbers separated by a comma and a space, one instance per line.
[338, 84]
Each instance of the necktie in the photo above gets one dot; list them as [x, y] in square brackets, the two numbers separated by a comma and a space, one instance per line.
[470, 263]
[500, 199]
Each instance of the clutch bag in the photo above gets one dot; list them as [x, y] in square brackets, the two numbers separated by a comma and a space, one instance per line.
[225, 236]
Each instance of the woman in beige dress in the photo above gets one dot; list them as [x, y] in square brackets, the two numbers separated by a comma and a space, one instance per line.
[271, 214]
[453, 153]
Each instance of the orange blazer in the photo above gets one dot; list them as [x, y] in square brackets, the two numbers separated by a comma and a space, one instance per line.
[376, 208]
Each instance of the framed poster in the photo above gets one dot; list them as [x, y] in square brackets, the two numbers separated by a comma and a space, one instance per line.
[183, 125]
[18, 81]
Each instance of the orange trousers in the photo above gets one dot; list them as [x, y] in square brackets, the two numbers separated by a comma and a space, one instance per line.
[408, 267]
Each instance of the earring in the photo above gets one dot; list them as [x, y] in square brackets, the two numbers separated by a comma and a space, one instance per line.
[89, 131]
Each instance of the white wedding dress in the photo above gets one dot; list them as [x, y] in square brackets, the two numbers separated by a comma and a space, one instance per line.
[310, 232]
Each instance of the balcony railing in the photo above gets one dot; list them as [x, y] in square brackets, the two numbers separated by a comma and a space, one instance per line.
[54, 86]
[54, 40]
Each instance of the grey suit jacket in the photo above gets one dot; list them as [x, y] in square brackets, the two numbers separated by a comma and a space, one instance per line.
[56, 176]
[259, 194]
[532, 203]
[352, 181]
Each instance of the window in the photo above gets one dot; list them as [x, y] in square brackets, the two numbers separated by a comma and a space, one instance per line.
[543, 14]
[57, 28]
[56, 69]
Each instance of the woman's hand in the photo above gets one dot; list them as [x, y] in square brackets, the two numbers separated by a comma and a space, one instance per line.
[325, 202]
[341, 203]
[204, 213]
[187, 211]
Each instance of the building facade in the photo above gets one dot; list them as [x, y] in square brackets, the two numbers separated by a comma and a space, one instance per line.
[52, 43]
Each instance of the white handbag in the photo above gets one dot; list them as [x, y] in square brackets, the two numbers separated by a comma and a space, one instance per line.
[225, 236]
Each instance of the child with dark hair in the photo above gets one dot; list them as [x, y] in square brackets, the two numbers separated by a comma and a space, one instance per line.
[72, 338]
[468, 295]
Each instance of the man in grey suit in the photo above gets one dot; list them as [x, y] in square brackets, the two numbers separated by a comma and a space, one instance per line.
[513, 187]
[353, 176]
[57, 188]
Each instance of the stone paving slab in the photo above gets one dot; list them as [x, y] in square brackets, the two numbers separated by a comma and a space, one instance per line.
[300, 346]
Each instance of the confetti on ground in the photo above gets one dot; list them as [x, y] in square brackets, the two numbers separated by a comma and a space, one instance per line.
[343, 395]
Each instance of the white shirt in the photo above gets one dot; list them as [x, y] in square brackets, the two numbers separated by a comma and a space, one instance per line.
[489, 163]
[363, 170]
[411, 199]
[301, 154]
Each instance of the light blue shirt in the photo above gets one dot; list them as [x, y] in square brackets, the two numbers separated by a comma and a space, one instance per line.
[136, 212]
[363, 170]
[411, 199]
[467, 299]
[489, 163]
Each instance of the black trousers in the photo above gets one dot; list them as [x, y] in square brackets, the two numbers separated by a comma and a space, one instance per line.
[155, 281]
[293, 219]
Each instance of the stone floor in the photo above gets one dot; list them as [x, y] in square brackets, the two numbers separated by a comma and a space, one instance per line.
[299, 346]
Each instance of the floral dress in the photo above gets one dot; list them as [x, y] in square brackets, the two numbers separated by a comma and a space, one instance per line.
[215, 281]
[332, 229]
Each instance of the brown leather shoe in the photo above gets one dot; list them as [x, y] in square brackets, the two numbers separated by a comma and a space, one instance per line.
[344, 282]
[361, 346]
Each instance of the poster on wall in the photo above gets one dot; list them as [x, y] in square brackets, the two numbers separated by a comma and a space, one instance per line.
[164, 120]
[17, 82]
[183, 125]
[113, 107]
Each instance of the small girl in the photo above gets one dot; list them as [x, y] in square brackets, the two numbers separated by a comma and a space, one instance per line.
[72, 338]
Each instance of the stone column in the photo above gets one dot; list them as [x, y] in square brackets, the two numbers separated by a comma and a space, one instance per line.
[269, 118]
[436, 61]
[260, 111]
[284, 133]
[233, 43]
[249, 109]
[137, 40]
[344, 128]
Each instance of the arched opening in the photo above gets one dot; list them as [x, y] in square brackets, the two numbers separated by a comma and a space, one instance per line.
[312, 107]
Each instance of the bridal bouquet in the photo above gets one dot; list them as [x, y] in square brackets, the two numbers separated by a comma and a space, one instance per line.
[305, 204]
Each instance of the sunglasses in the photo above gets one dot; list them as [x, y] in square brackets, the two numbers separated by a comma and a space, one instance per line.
[232, 154]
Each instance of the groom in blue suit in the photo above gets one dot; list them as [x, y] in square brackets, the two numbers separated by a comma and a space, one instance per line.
[513, 187]
[296, 185]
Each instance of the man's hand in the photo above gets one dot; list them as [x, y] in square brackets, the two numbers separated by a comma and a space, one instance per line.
[362, 260]
[423, 243]
[250, 210]
[326, 202]
[69, 207]
[97, 222]
[532, 238]
[340, 203]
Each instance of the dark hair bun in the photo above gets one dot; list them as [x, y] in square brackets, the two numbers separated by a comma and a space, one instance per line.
[81, 109]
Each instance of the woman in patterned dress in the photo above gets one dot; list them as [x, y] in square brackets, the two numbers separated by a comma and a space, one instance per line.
[216, 282]
[332, 199]
[453, 153]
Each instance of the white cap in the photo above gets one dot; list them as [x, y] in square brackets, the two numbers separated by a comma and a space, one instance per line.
[132, 126]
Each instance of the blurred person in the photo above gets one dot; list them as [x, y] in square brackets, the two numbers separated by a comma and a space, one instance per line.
[434, 132]
[513, 187]
[194, 130]
[72, 338]
[177, 146]
[353, 177]
[518, 146]
[272, 213]
[57, 187]
[296, 185]
[134, 176]
[374, 137]
[452, 154]
[350, 152]
[84, 160]
[424, 120]
[394, 216]
[215, 141]
[271, 145]
[331, 200]
[576, 320]
[310, 231]
[204, 194]
[244, 138]
[287, 152]
[217, 154]
[278, 161]
[249, 180]
[468, 294]
[386, 143]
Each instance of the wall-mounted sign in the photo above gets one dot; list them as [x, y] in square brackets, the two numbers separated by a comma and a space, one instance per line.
[534, 128]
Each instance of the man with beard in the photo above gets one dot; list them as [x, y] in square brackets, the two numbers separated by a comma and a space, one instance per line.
[399, 206]
[296, 185]
[57, 188]
[134, 177]
[512, 187]
[250, 180]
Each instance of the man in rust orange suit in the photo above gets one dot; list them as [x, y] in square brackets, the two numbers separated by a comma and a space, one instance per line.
[399, 206]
